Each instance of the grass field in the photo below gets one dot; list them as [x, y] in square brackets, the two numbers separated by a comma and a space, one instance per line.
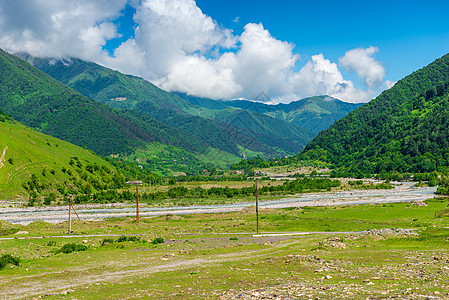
[220, 257]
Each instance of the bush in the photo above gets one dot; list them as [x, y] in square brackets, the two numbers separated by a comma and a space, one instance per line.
[51, 243]
[7, 259]
[69, 248]
[49, 199]
[234, 239]
[128, 239]
[442, 213]
[158, 240]
[107, 241]
[32, 200]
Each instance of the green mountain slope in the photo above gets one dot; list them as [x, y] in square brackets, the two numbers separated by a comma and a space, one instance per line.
[34, 162]
[108, 86]
[406, 128]
[37, 100]
[34, 98]
[314, 114]
[130, 92]
[270, 131]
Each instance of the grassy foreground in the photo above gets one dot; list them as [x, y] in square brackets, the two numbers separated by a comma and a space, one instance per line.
[220, 257]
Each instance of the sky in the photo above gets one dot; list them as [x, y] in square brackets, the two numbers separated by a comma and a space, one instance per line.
[286, 49]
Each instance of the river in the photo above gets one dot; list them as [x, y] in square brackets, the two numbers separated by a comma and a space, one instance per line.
[405, 192]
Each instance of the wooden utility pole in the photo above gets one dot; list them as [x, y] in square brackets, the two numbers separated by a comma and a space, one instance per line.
[137, 183]
[137, 204]
[257, 207]
[70, 216]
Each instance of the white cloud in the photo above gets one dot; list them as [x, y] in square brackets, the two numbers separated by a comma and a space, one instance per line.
[201, 77]
[178, 47]
[262, 62]
[389, 84]
[58, 28]
[363, 63]
[322, 77]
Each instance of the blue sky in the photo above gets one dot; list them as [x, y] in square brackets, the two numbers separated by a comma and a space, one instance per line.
[351, 50]
[409, 34]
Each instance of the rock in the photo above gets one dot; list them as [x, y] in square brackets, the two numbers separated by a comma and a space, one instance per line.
[328, 277]
[388, 231]
[85, 241]
[419, 203]
[21, 232]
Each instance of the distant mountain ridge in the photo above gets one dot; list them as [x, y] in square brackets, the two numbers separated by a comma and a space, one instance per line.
[404, 129]
[314, 114]
[220, 130]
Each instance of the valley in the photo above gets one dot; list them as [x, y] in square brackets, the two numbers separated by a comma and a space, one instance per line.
[352, 198]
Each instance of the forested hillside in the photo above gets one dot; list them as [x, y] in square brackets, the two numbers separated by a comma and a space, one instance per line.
[405, 129]
[33, 164]
[37, 100]
[43, 103]
[218, 129]
[313, 114]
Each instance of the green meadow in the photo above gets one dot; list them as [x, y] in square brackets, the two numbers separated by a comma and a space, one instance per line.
[220, 256]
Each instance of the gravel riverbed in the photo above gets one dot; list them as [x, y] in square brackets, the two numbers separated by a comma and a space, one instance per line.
[405, 192]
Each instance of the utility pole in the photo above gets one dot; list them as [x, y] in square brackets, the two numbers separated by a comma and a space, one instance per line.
[137, 183]
[137, 204]
[70, 216]
[257, 207]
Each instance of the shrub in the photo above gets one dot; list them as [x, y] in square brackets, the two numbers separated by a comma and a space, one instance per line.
[234, 238]
[128, 239]
[107, 241]
[7, 259]
[158, 240]
[69, 248]
[49, 199]
[51, 243]
[442, 213]
[133, 239]
[122, 239]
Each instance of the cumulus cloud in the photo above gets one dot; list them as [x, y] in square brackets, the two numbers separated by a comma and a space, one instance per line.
[362, 62]
[179, 48]
[58, 28]
[389, 84]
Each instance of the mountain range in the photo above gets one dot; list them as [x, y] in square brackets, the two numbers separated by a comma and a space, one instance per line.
[314, 114]
[236, 131]
[404, 129]
[129, 92]
[129, 118]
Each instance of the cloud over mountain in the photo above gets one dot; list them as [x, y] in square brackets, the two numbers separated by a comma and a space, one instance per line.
[178, 47]
[364, 64]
